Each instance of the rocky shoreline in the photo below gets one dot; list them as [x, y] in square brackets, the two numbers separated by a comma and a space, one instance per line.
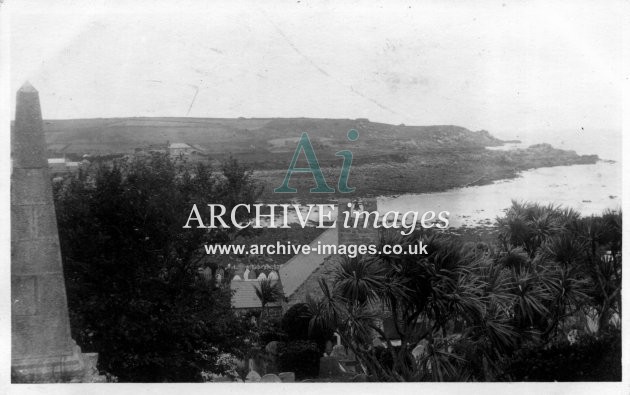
[424, 172]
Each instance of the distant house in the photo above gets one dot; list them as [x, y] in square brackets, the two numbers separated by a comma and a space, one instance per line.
[244, 298]
[73, 166]
[157, 148]
[198, 149]
[61, 165]
[57, 165]
[177, 149]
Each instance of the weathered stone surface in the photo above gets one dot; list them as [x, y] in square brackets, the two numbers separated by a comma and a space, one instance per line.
[272, 352]
[377, 342]
[34, 188]
[222, 379]
[270, 378]
[28, 147]
[287, 377]
[41, 347]
[34, 259]
[273, 347]
[346, 359]
[339, 352]
[328, 348]
[252, 377]
[330, 367]
[360, 378]
[24, 295]
[77, 368]
[420, 349]
[32, 222]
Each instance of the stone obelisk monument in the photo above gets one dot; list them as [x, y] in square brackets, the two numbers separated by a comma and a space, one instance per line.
[42, 349]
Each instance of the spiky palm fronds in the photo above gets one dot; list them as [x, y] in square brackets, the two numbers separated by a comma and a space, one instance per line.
[268, 291]
[531, 297]
[362, 278]
[566, 249]
[552, 264]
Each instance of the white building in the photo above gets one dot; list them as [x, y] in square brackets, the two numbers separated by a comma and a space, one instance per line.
[61, 165]
[177, 149]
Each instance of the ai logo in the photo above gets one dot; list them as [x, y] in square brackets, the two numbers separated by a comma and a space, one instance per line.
[304, 145]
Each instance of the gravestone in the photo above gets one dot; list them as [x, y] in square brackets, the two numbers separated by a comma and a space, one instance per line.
[252, 377]
[270, 378]
[42, 349]
[287, 377]
[328, 348]
[346, 359]
[339, 352]
[329, 367]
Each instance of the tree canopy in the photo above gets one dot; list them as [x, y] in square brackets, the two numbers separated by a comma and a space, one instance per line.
[133, 279]
[461, 311]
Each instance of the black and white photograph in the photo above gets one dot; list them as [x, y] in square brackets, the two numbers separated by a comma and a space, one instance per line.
[223, 194]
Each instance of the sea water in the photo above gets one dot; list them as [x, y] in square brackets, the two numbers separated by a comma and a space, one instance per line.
[590, 189]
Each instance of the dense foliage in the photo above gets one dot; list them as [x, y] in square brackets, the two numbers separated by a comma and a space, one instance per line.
[135, 292]
[462, 311]
[295, 322]
[268, 291]
[543, 302]
[593, 358]
[300, 357]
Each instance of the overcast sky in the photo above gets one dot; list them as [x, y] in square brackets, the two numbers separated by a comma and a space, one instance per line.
[497, 65]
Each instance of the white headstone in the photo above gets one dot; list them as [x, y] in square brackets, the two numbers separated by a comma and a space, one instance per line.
[287, 377]
[252, 377]
[270, 378]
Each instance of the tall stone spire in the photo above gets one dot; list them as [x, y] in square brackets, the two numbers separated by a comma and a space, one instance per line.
[42, 349]
[27, 140]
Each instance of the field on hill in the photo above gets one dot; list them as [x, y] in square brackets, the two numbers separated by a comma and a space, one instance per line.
[387, 159]
[255, 139]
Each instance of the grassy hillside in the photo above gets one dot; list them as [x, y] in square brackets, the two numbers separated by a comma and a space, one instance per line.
[255, 138]
[387, 159]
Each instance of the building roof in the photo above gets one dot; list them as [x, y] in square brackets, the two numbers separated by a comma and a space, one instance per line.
[244, 296]
[56, 160]
[198, 147]
[179, 145]
[299, 268]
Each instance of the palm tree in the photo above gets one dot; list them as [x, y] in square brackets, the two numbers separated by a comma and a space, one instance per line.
[422, 294]
[547, 270]
[268, 291]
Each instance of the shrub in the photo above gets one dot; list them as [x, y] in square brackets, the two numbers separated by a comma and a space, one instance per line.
[591, 359]
[135, 295]
[295, 322]
[270, 336]
[302, 358]
[270, 331]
